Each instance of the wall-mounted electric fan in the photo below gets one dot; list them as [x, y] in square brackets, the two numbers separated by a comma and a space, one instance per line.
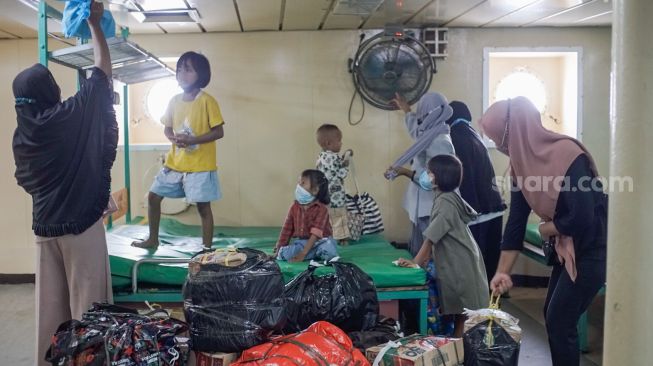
[392, 62]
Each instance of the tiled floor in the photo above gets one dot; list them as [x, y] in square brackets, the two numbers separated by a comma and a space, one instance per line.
[18, 326]
[526, 304]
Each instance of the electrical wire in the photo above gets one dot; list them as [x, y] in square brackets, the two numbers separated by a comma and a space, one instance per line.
[356, 91]
[351, 104]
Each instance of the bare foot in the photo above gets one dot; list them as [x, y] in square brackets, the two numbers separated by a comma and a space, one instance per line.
[146, 244]
[343, 242]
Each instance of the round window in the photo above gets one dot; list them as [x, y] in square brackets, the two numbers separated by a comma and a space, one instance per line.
[159, 96]
[525, 84]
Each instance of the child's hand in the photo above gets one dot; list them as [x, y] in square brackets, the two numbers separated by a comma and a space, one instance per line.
[405, 263]
[346, 157]
[184, 140]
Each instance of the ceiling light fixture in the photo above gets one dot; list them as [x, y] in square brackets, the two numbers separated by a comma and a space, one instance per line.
[167, 16]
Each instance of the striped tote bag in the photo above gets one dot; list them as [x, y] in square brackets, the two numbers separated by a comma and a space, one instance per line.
[363, 204]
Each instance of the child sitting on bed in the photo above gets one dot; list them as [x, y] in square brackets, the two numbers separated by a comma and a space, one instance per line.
[461, 271]
[307, 223]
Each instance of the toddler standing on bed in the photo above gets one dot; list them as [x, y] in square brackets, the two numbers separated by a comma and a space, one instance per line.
[307, 223]
[335, 169]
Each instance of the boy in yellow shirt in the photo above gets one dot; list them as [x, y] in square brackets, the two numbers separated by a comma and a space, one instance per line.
[193, 123]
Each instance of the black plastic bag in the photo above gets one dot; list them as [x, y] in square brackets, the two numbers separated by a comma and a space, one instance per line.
[230, 309]
[387, 329]
[502, 351]
[233, 327]
[257, 279]
[346, 298]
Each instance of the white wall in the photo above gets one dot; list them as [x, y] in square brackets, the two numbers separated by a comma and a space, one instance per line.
[275, 89]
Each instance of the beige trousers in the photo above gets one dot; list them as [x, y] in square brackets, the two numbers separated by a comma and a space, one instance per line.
[72, 272]
[339, 225]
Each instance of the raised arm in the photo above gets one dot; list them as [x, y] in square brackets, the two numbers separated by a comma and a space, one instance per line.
[100, 47]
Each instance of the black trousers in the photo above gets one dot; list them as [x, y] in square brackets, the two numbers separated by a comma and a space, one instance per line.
[488, 237]
[565, 302]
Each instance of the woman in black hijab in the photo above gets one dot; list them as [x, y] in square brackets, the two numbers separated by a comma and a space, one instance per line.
[63, 152]
[478, 186]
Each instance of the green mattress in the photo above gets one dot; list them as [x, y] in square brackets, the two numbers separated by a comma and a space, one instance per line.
[533, 235]
[373, 254]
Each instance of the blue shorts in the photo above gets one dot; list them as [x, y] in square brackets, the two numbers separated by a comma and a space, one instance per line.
[196, 187]
[324, 249]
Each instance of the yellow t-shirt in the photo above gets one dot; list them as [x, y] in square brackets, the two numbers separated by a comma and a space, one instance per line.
[195, 117]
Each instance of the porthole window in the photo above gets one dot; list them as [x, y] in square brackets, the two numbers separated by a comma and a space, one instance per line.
[159, 96]
[522, 83]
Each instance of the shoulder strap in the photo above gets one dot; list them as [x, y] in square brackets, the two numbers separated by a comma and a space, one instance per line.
[352, 174]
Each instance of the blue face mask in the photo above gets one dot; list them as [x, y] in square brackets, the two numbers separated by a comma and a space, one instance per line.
[303, 196]
[425, 181]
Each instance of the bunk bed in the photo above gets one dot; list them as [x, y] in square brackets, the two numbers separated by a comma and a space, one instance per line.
[140, 275]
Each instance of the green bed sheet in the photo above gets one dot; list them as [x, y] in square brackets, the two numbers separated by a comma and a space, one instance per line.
[533, 235]
[373, 254]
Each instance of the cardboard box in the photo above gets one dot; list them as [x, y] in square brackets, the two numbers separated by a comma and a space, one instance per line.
[419, 350]
[212, 359]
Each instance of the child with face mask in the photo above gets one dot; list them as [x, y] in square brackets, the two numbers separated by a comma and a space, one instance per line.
[448, 240]
[306, 234]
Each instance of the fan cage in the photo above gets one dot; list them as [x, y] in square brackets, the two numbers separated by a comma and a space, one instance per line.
[420, 54]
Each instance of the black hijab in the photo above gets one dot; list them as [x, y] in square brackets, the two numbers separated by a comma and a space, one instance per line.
[64, 150]
[478, 186]
[460, 111]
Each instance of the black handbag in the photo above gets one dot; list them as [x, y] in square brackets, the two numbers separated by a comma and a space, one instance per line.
[550, 254]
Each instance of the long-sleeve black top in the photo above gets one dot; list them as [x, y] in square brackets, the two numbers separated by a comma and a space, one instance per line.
[581, 212]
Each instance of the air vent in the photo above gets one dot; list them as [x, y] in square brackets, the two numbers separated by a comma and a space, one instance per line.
[356, 7]
[167, 16]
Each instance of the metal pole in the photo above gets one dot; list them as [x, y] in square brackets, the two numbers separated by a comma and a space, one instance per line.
[43, 33]
[125, 111]
[124, 32]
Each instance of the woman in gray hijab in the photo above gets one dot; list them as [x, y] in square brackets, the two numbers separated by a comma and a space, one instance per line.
[427, 127]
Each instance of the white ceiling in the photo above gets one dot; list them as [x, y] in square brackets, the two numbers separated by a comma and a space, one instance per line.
[20, 21]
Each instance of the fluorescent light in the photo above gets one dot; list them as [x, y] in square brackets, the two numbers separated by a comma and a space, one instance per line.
[161, 4]
[167, 16]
